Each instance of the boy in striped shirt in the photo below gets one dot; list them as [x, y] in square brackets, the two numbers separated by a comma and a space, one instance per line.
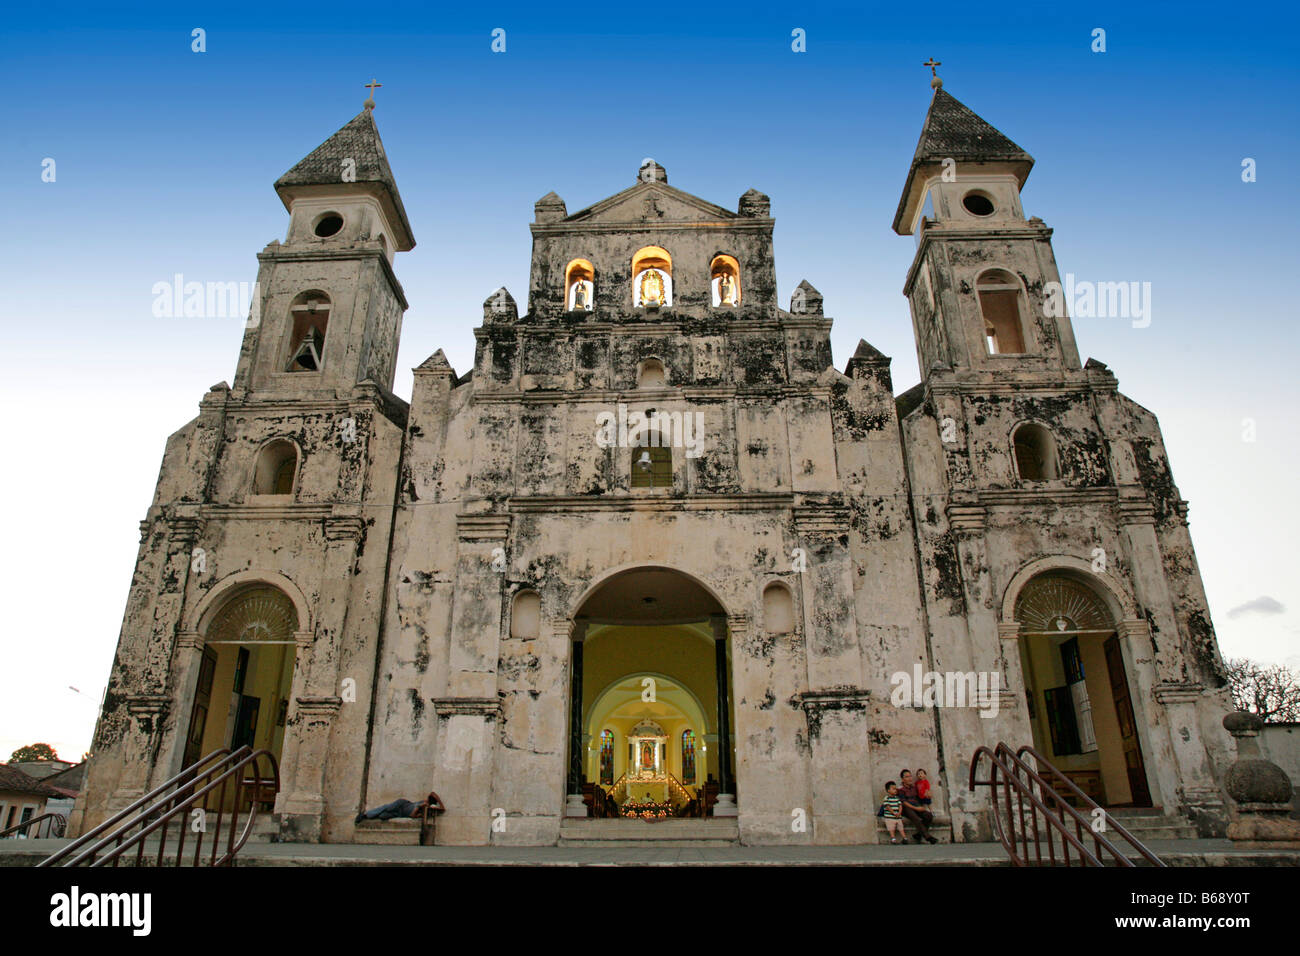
[892, 810]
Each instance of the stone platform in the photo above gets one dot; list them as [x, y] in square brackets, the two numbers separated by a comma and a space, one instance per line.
[1175, 853]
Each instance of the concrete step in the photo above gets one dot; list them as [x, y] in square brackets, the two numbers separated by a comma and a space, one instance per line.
[1152, 823]
[266, 829]
[400, 832]
[940, 829]
[715, 832]
[1144, 828]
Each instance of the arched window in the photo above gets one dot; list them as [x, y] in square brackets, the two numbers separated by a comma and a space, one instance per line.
[688, 756]
[724, 280]
[276, 468]
[651, 374]
[310, 315]
[1035, 453]
[652, 467]
[579, 286]
[607, 758]
[652, 278]
[778, 609]
[999, 296]
[526, 616]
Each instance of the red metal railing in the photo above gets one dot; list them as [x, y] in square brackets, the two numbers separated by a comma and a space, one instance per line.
[196, 799]
[1029, 814]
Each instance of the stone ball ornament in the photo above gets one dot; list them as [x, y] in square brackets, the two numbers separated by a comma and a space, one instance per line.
[1261, 789]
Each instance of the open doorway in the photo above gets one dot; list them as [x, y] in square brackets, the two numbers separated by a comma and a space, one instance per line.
[1077, 689]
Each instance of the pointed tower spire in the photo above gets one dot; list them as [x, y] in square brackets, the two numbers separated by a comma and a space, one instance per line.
[955, 136]
[352, 159]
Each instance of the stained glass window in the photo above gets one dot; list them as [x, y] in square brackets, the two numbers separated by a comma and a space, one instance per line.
[607, 758]
[688, 756]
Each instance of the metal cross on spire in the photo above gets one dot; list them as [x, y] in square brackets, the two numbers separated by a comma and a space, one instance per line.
[932, 63]
[371, 86]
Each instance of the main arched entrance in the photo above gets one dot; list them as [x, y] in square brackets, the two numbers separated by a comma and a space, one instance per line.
[650, 725]
[1077, 689]
[245, 675]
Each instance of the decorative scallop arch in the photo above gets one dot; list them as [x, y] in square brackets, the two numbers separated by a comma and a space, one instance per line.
[229, 588]
[1108, 588]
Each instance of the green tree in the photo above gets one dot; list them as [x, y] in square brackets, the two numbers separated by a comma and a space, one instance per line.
[33, 752]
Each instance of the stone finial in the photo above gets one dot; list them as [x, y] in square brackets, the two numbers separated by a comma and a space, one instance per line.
[1260, 788]
[754, 204]
[500, 307]
[651, 172]
[805, 300]
[550, 208]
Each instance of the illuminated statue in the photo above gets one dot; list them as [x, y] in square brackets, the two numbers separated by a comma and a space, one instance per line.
[652, 288]
[726, 289]
[581, 296]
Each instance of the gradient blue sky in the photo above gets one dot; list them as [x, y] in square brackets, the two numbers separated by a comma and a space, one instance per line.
[165, 160]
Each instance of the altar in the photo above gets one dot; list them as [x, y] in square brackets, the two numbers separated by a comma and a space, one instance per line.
[648, 780]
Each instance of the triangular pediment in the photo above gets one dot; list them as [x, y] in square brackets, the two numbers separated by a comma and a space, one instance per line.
[651, 202]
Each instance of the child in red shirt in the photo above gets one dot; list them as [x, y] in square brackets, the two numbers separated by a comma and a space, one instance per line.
[923, 788]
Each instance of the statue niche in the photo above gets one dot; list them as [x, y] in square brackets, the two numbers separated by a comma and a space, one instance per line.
[579, 286]
[652, 278]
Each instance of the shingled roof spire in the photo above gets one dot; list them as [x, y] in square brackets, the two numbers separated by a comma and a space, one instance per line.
[953, 132]
[353, 159]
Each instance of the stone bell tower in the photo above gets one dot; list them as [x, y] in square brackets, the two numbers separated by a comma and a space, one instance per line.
[1033, 479]
[346, 223]
[977, 285]
[279, 492]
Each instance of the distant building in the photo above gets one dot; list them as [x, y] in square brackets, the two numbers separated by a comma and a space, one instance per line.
[22, 796]
[68, 782]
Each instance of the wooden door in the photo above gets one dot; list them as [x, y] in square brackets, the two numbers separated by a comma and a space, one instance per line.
[202, 703]
[1137, 774]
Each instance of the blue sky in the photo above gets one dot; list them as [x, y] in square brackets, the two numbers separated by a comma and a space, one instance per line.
[165, 160]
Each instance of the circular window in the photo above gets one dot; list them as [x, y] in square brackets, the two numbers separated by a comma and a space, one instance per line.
[328, 224]
[978, 204]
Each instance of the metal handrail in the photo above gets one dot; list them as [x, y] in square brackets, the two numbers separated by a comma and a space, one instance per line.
[57, 826]
[1018, 776]
[187, 774]
[187, 796]
[1042, 763]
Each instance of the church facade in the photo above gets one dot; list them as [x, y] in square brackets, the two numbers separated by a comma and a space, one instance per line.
[654, 542]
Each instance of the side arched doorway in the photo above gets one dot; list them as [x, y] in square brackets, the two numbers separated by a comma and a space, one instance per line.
[245, 675]
[1077, 689]
[651, 709]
